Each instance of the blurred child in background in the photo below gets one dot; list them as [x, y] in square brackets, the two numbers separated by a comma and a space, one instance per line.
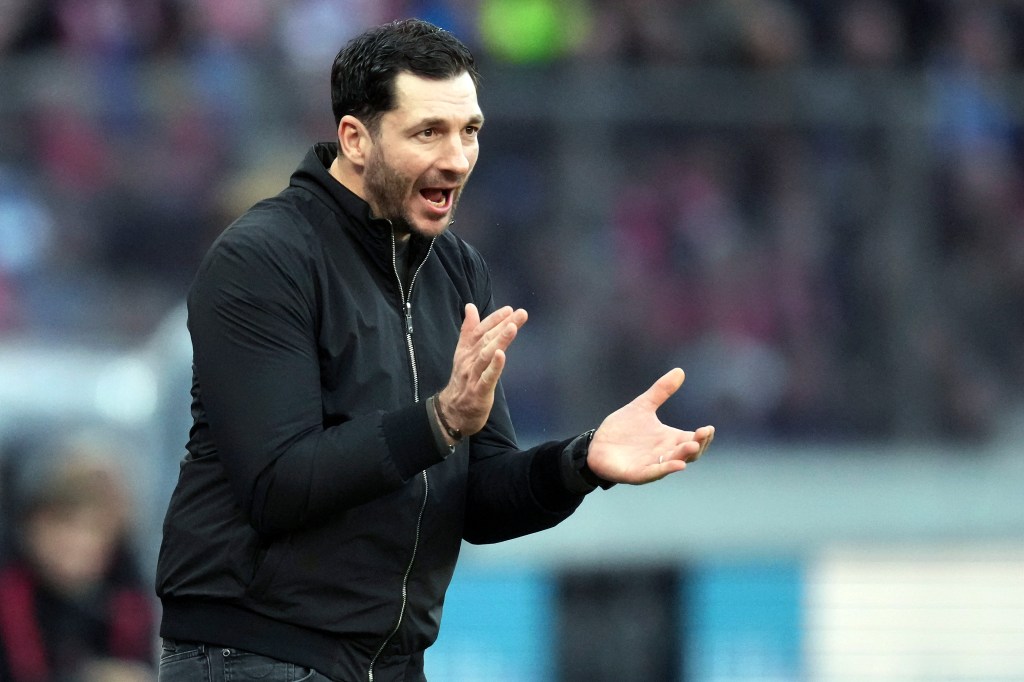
[72, 605]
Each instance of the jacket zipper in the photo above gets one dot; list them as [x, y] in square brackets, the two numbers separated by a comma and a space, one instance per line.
[407, 311]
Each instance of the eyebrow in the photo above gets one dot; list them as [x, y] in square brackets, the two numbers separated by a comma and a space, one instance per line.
[476, 119]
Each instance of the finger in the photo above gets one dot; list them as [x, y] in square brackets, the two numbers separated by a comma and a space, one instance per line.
[494, 320]
[500, 335]
[476, 331]
[496, 344]
[493, 337]
[663, 388]
[666, 466]
[489, 377]
[703, 438]
[496, 328]
[672, 465]
[504, 336]
[707, 441]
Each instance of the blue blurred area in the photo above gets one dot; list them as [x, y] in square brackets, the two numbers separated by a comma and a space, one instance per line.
[744, 620]
[497, 626]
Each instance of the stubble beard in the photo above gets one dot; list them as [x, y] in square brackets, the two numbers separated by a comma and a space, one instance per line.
[386, 192]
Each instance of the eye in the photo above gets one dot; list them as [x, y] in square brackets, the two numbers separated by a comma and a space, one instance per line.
[472, 131]
[428, 133]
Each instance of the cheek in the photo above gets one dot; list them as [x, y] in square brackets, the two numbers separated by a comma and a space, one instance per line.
[472, 153]
[410, 162]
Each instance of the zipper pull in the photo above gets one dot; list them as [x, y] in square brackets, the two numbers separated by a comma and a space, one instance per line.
[408, 318]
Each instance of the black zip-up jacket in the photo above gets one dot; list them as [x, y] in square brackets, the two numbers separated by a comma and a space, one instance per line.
[315, 519]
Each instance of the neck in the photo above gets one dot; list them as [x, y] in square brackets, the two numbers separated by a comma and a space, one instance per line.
[348, 176]
[352, 179]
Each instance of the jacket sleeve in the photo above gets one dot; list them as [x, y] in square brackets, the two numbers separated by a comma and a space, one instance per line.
[252, 317]
[513, 492]
[510, 492]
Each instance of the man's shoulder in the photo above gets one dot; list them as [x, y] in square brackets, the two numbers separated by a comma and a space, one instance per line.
[459, 257]
[282, 221]
[450, 243]
[272, 237]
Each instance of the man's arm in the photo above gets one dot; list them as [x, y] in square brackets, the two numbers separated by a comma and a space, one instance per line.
[512, 493]
[251, 316]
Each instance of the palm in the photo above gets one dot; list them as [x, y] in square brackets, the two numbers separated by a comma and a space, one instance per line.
[633, 446]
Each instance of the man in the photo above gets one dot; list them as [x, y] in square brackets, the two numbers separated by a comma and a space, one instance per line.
[349, 427]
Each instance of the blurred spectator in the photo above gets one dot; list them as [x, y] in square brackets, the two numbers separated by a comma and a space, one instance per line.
[869, 34]
[971, 111]
[311, 31]
[228, 46]
[127, 129]
[772, 34]
[641, 31]
[72, 605]
[25, 238]
[461, 17]
[797, 251]
[73, 151]
[110, 27]
[678, 238]
[979, 180]
[754, 34]
[26, 25]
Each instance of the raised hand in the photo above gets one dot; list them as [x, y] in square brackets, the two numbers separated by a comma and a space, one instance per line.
[633, 446]
[479, 359]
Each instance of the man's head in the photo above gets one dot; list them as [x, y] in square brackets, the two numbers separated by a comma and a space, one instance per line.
[404, 98]
[364, 72]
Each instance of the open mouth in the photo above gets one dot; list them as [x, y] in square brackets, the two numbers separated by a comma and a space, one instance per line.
[438, 197]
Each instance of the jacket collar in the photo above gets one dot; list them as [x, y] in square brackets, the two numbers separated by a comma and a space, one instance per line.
[355, 216]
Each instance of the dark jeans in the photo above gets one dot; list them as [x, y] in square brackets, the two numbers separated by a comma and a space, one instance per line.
[192, 662]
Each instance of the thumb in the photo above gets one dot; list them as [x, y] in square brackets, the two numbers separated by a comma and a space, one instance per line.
[662, 389]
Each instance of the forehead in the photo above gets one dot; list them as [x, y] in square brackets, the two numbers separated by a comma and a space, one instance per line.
[418, 98]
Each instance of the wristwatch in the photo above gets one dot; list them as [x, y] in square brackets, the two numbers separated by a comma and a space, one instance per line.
[576, 475]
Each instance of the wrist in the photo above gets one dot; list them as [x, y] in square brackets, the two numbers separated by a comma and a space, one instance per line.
[444, 445]
[577, 476]
[452, 434]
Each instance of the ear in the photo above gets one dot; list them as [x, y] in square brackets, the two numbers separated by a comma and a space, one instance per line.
[354, 141]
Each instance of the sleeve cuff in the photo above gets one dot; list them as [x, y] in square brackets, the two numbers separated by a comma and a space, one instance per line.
[411, 441]
[576, 475]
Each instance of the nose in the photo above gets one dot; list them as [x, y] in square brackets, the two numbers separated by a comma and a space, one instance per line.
[456, 156]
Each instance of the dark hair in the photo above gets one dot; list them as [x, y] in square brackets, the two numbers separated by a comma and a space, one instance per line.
[364, 72]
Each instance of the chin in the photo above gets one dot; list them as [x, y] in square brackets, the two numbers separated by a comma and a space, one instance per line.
[429, 229]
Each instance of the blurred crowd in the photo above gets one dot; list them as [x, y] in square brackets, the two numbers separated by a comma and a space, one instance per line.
[75, 605]
[808, 288]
